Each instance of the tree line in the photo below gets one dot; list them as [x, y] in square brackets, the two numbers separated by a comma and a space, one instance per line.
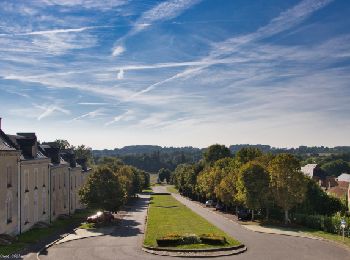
[255, 180]
[112, 184]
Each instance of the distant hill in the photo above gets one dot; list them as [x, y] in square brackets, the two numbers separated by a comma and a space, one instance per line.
[151, 158]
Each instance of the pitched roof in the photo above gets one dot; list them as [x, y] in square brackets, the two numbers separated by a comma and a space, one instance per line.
[309, 169]
[5, 143]
[344, 177]
[339, 191]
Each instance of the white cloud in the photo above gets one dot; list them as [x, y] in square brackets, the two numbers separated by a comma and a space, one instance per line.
[49, 110]
[91, 114]
[120, 74]
[118, 50]
[124, 116]
[164, 11]
[284, 21]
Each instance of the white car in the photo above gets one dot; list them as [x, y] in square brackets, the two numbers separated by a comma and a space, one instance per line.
[209, 203]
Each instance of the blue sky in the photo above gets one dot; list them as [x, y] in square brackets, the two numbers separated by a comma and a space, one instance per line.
[177, 72]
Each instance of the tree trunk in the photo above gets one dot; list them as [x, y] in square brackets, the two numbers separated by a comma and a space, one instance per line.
[286, 217]
[252, 214]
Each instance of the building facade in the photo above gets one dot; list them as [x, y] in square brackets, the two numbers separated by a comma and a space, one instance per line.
[9, 207]
[38, 183]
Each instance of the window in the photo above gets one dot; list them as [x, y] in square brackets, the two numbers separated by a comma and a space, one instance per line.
[43, 176]
[9, 210]
[36, 177]
[26, 180]
[64, 179]
[26, 211]
[44, 202]
[36, 207]
[9, 176]
[71, 182]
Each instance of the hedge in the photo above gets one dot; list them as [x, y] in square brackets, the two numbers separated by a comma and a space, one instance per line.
[329, 224]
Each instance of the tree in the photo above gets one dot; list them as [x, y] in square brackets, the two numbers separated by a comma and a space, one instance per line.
[318, 202]
[63, 144]
[288, 183]
[102, 190]
[247, 154]
[164, 174]
[335, 168]
[216, 152]
[82, 151]
[253, 186]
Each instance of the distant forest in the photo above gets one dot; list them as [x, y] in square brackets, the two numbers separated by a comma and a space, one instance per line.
[152, 158]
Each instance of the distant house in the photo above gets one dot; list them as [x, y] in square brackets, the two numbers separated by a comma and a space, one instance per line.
[314, 172]
[344, 177]
[309, 170]
[340, 191]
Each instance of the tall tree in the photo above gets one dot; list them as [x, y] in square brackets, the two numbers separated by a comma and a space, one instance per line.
[216, 152]
[247, 154]
[253, 186]
[63, 144]
[288, 183]
[164, 175]
[102, 190]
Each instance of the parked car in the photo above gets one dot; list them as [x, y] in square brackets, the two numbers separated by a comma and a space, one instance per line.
[243, 214]
[100, 216]
[209, 203]
[219, 206]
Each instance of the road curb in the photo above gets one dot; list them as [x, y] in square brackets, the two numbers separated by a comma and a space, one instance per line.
[262, 232]
[196, 253]
[52, 243]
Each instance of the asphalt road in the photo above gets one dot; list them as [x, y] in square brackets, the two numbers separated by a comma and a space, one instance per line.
[125, 242]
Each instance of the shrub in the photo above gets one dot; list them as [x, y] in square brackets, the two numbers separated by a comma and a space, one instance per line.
[212, 239]
[329, 224]
[170, 240]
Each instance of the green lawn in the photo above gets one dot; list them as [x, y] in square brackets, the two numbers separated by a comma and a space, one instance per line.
[172, 189]
[167, 216]
[35, 235]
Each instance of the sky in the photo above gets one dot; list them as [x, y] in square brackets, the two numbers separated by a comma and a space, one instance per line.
[176, 72]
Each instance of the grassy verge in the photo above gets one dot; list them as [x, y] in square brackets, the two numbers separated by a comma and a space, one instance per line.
[333, 237]
[172, 189]
[316, 233]
[167, 216]
[33, 236]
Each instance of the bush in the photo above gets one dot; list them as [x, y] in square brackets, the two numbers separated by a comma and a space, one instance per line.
[329, 224]
[189, 239]
[169, 241]
[212, 239]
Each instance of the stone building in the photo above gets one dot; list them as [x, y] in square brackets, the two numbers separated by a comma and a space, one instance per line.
[38, 183]
[9, 158]
[33, 181]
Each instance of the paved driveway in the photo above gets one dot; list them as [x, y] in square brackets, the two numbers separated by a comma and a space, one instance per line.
[125, 242]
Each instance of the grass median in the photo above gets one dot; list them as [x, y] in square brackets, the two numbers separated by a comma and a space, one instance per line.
[167, 216]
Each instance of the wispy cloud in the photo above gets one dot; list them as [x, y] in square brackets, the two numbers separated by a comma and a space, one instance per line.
[124, 116]
[91, 114]
[164, 11]
[284, 21]
[49, 110]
